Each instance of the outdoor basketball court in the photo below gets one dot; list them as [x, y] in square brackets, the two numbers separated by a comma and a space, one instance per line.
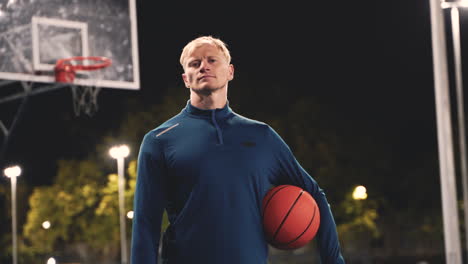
[51, 44]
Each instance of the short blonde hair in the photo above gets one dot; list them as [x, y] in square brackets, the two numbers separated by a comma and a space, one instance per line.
[202, 41]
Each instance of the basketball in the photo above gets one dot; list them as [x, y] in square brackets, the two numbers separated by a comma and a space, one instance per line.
[291, 217]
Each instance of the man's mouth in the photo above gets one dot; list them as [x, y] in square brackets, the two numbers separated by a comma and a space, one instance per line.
[205, 77]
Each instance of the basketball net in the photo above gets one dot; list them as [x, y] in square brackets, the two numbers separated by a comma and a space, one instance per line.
[85, 99]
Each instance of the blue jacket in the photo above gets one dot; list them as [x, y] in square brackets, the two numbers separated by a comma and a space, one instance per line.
[210, 169]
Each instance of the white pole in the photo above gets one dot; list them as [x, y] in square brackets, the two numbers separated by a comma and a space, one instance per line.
[444, 137]
[13, 218]
[123, 237]
[460, 109]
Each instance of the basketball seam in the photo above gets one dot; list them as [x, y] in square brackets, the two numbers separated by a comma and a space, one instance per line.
[266, 205]
[307, 228]
[286, 216]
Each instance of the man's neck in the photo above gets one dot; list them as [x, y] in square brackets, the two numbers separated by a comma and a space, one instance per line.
[213, 100]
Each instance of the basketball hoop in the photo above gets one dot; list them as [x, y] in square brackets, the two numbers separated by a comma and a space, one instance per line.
[84, 97]
[65, 70]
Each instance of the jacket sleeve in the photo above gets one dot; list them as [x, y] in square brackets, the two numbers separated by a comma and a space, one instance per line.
[149, 202]
[289, 171]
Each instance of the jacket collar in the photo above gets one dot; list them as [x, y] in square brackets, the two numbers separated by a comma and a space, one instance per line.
[219, 113]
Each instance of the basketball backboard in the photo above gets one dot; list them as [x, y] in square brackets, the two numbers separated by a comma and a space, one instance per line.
[34, 34]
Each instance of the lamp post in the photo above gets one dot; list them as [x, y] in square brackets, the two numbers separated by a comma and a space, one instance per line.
[444, 127]
[12, 173]
[120, 153]
[455, 21]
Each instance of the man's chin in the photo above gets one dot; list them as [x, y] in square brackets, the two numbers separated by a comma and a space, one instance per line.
[205, 90]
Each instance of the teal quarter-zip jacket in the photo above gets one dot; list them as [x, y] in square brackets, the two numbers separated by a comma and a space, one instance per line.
[210, 169]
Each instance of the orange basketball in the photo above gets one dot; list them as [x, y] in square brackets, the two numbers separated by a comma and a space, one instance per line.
[291, 217]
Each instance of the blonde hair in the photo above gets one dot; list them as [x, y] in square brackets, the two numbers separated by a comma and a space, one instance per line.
[202, 41]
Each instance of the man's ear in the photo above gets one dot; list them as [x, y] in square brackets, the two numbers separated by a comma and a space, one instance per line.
[231, 72]
[184, 77]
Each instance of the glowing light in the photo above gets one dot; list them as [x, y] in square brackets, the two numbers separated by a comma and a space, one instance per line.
[130, 215]
[360, 193]
[11, 172]
[51, 261]
[46, 225]
[121, 151]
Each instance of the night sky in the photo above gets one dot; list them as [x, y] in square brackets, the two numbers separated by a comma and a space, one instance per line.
[371, 63]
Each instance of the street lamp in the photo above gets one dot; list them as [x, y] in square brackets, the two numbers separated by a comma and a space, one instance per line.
[12, 173]
[360, 193]
[130, 214]
[46, 224]
[120, 153]
[51, 261]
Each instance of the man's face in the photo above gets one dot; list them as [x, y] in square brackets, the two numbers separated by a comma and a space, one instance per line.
[207, 70]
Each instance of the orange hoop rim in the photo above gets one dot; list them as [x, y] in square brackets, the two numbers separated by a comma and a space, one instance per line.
[105, 62]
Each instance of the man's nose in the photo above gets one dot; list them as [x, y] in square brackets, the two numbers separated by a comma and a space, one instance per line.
[204, 66]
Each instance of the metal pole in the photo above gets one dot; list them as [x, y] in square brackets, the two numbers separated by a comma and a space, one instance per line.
[461, 110]
[444, 137]
[123, 236]
[13, 218]
[32, 92]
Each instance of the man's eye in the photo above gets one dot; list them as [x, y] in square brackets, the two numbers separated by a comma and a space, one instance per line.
[194, 64]
[212, 60]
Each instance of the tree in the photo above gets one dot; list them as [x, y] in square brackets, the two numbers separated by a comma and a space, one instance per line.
[75, 206]
[358, 225]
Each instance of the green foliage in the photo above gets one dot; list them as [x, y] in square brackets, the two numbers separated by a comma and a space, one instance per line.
[81, 207]
[358, 221]
[44, 204]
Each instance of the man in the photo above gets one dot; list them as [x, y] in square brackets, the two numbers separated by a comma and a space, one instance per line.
[210, 168]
